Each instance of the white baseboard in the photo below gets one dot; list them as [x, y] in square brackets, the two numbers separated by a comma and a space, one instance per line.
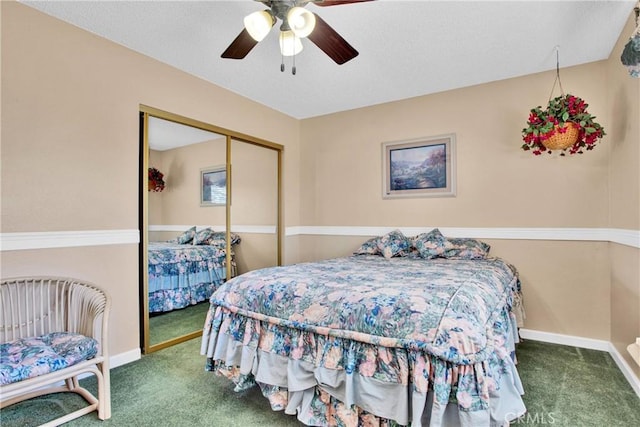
[570, 340]
[124, 358]
[588, 343]
[117, 360]
[625, 368]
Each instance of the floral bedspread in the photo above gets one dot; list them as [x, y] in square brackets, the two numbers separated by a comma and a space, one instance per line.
[444, 307]
[348, 325]
[180, 275]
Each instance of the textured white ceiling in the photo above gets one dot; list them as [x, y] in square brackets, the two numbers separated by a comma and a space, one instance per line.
[407, 48]
[165, 135]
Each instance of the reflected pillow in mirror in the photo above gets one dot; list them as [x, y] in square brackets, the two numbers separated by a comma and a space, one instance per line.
[202, 236]
[218, 238]
[185, 237]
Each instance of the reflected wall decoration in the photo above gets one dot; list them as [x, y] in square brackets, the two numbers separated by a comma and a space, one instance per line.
[423, 167]
[213, 186]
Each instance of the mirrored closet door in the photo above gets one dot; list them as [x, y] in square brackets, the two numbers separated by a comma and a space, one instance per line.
[254, 205]
[190, 174]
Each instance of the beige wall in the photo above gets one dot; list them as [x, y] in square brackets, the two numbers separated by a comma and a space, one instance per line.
[498, 184]
[70, 142]
[624, 198]
[179, 202]
[70, 148]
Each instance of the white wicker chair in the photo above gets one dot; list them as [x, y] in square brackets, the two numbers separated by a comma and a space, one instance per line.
[34, 306]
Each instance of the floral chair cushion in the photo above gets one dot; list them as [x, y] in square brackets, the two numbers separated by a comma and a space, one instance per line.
[30, 357]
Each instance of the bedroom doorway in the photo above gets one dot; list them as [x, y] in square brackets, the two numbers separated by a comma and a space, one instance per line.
[221, 190]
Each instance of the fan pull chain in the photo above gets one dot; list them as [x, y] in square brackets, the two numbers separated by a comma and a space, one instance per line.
[293, 69]
[557, 80]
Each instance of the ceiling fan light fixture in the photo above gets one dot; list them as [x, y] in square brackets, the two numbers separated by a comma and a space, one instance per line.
[258, 24]
[290, 44]
[301, 21]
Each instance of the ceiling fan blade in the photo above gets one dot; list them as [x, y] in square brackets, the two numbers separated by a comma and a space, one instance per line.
[331, 43]
[240, 47]
[336, 2]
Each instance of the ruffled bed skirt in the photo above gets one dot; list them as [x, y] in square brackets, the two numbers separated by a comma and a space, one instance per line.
[171, 278]
[331, 381]
[173, 299]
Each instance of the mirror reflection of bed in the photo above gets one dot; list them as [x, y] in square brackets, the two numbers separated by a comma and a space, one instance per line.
[184, 258]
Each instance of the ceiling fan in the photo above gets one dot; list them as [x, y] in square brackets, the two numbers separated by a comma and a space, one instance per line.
[297, 23]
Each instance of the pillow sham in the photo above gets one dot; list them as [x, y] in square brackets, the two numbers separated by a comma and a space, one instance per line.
[219, 238]
[430, 245]
[370, 247]
[202, 236]
[185, 237]
[393, 244]
[465, 248]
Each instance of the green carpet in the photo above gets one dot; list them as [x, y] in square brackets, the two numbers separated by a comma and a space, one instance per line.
[172, 324]
[565, 386]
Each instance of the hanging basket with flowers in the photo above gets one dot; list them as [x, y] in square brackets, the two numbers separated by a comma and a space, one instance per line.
[564, 125]
[156, 180]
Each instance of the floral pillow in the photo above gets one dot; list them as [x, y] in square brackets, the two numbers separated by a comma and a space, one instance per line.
[186, 237]
[393, 244]
[202, 236]
[219, 238]
[430, 245]
[464, 248]
[370, 247]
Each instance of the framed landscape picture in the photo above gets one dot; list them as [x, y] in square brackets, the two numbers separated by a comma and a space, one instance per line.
[213, 186]
[423, 167]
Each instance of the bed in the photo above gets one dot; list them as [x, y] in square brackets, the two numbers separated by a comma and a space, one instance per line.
[185, 272]
[413, 335]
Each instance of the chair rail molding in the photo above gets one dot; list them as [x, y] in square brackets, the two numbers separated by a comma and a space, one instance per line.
[613, 235]
[63, 239]
[66, 239]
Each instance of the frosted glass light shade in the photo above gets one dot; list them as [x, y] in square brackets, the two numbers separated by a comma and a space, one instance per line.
[290, 44]
[258, 24]
[301, 21]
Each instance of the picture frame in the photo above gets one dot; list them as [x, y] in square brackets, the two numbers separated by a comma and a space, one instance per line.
[213, 186]
[423, 167]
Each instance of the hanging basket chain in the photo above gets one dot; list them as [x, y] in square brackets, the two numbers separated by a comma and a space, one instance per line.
[557, 80]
